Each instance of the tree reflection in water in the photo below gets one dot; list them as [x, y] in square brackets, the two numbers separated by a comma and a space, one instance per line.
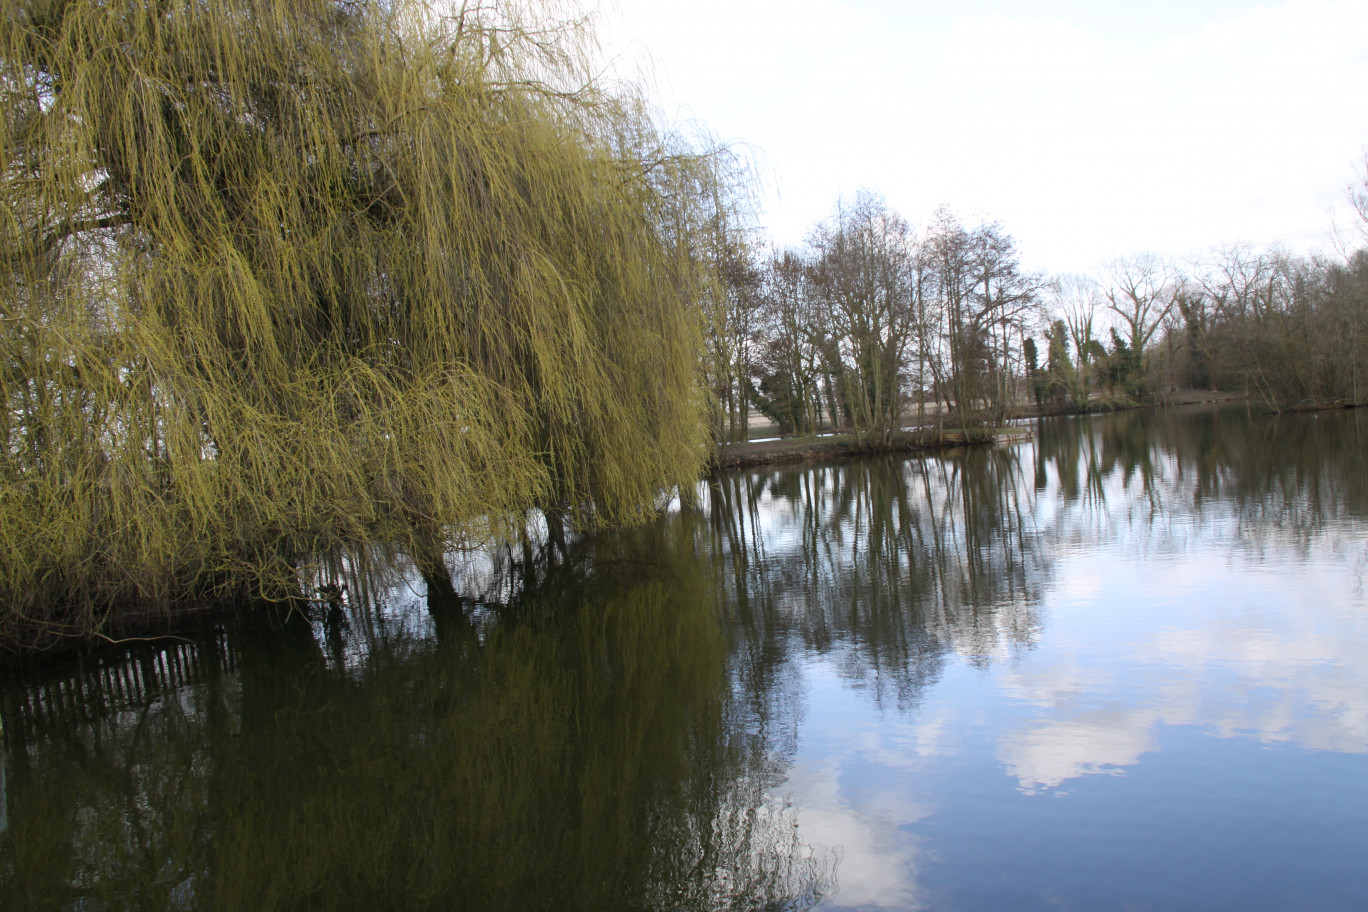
[606, 722]
[584, 750]
[889, 563]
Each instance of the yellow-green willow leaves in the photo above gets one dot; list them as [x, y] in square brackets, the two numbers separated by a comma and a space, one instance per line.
[278, 276]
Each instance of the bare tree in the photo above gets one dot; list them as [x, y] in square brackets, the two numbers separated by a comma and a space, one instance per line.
[982, 297]
[1141, 291]
[732, 301]
[1075, 300]
[790, 356]
[1358, 197]
[862, 278]
[949, 349]
[1003, 295]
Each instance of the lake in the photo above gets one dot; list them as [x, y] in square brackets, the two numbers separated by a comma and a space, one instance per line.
[1121, 666]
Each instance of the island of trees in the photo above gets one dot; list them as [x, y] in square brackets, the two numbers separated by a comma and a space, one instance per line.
[283, 279]
[876, 326]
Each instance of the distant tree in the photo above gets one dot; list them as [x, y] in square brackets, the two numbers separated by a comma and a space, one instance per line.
[950, 344]
[1293, 333]
[790, 360]
[1141, 291]
[1121, 367]
[1035, 382]
[1003, 295]
[1358, 197]
[862, 276]
[1197, 309]
[732, 304]
[1076, 300]
[1060, 373]
[982, 297]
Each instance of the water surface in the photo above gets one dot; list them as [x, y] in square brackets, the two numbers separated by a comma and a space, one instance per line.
[1118, 667]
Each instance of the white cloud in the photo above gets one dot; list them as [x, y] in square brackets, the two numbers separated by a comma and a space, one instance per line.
[1239, 126]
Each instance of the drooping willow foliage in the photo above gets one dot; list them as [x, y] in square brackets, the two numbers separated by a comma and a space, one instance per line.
[281, 275]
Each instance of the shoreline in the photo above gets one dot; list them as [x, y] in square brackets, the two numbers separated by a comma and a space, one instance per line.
[793, 450]
[135, 627]
[800, 450]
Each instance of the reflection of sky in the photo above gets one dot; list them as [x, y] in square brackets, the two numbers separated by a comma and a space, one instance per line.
[853, 747]
[1236, 648]
[1189, 729]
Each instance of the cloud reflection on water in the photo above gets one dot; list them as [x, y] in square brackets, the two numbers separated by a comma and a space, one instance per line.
[1155, 580]
[1246, 651]
[878, 865]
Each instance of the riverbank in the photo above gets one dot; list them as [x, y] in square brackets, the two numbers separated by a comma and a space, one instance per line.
[777, 450]
[798, 450]
[1188, 397]
[1100, 405]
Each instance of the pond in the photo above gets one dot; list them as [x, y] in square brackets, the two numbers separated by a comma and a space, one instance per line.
[1120, 666]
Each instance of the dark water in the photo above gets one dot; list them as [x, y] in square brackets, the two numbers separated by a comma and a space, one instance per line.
[1122, 667]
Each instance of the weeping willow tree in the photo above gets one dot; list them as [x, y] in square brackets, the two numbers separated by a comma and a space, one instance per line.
[281, 275]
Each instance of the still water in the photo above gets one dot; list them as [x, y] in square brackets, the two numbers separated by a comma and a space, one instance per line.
[1123, 666]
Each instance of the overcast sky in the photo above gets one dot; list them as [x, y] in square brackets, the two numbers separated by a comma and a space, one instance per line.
[1090, 130]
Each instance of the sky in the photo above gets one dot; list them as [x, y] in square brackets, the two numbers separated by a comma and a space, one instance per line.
[1090, 130]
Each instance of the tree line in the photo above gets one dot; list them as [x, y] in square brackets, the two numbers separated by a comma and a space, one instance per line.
[874, 326]
[1288, 331]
